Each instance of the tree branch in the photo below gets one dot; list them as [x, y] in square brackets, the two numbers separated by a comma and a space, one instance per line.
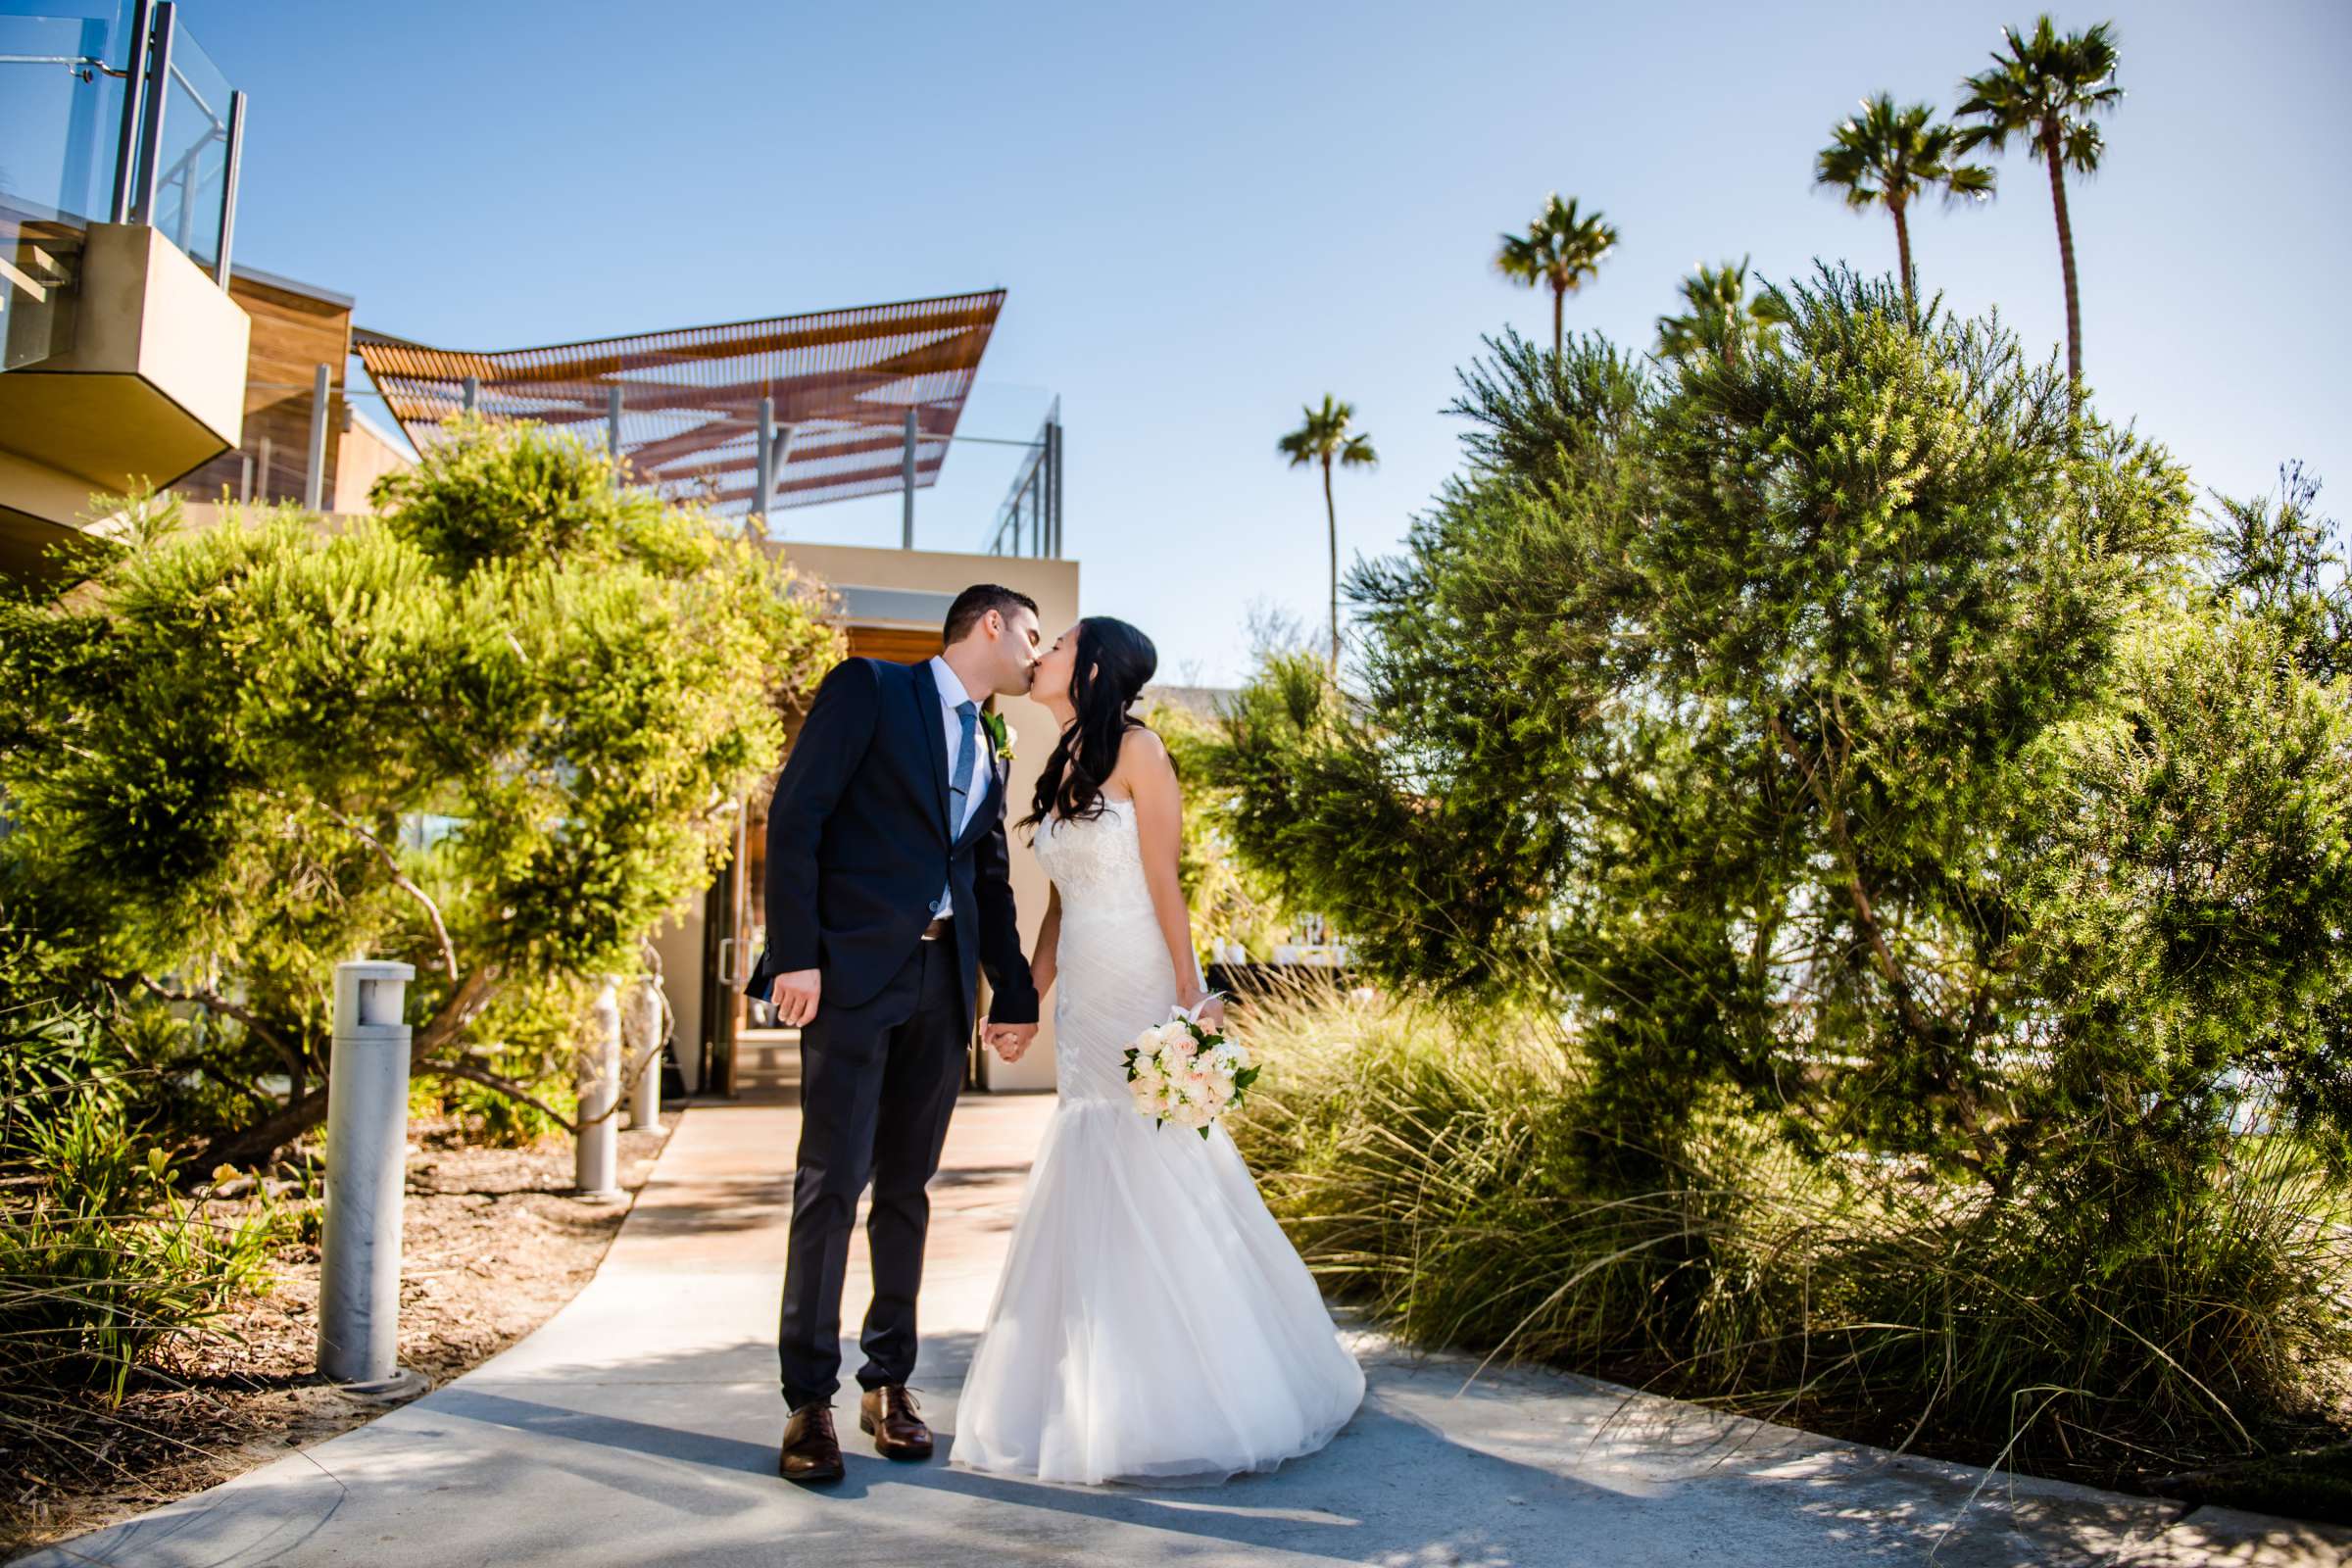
[461, 1006]
[505, 1086]
[1865, 916]
[213, 1002]
[400, 879]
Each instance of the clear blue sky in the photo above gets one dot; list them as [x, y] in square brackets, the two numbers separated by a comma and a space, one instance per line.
[1207, 215]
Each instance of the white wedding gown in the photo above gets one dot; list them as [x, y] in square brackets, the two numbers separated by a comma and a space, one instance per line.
[1152, 1322]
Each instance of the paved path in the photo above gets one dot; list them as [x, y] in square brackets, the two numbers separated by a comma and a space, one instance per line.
[638, 1427]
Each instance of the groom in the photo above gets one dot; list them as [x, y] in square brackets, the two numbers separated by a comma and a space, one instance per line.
[886, 890]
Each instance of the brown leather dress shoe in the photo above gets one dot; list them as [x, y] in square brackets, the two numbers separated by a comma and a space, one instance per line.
[889, 1413]
[812, 1453]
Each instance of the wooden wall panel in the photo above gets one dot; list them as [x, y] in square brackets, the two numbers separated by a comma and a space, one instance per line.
[901, 644]
[293, 333]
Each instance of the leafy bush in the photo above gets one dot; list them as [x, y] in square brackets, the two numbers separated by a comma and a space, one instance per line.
[497, 733]
[101, 1260]
[1442, 1173]
[1936, 846]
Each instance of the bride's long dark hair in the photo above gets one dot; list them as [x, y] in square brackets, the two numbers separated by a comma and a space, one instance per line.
[1113, 662]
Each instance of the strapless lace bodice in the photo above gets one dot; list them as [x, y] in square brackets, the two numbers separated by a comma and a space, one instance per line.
[1097, 861]
[1112, 976]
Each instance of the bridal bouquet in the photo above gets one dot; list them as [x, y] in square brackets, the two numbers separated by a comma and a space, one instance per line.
[1180, 1072]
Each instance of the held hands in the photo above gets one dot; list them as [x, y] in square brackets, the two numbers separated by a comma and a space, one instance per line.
[793, 996]
[1010, 1040]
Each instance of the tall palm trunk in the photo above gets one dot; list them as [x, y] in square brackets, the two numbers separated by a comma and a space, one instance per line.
[1559, 297]
[1331, 516]
[1903, 252]
[2065, 262]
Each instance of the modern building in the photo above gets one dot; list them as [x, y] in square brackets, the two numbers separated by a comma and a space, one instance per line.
[760, 419]
[122, 354]
[136, 355]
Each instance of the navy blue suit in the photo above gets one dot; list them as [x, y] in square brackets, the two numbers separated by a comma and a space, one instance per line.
[859, 850]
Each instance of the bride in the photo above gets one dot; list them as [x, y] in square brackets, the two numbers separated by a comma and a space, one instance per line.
[1152, 1322]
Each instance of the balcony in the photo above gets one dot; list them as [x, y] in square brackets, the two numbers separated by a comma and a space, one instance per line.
[121, 355]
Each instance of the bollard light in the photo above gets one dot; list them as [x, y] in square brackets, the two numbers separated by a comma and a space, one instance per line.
[596, 1154]
[367, 1170]
[644, 1093]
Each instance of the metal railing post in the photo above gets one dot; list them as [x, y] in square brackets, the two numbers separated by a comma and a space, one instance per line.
[367, 1170]
[314, 483]
[151, 137]
[613, 430]
[766, 438]
[228, 194]
[781, 456]
[134, 98]
[1052, 450]
[596, 1152]
[906, 484]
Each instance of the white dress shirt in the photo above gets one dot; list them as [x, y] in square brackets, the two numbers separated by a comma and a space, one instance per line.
[952, 692]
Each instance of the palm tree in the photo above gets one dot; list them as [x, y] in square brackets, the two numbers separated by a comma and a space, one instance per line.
[1560, 248]
[1722, 320]
[1325, 439]
[1889, 156]
[2044, 91]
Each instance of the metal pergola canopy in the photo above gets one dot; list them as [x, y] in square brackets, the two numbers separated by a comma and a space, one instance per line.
[841, 384]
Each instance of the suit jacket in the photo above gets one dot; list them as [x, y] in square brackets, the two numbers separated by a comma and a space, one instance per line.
[859, 848]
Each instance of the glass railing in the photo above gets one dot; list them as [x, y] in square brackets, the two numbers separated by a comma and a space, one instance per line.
[41, 262]
[78, 146]
[189, 184]
[62, 72]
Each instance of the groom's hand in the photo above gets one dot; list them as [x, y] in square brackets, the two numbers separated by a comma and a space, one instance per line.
[794, 997]
[1010, 1040]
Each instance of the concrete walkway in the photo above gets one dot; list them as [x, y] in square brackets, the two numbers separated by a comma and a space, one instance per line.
[638, 1427]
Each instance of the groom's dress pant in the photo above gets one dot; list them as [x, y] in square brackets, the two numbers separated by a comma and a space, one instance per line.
[878, 1082]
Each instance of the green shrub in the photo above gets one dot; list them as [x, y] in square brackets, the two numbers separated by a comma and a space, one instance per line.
[102, 1263]
[495, 732]
[1452, 1176]
[1934, 840]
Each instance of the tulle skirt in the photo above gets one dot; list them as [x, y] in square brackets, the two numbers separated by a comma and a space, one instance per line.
[1153, 1323]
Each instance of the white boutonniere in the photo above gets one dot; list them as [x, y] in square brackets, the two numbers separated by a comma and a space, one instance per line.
[1000, 734]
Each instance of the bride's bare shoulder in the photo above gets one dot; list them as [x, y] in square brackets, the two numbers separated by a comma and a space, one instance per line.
[1143, 760]
[1142, 744]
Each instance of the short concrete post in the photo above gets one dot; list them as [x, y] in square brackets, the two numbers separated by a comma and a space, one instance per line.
[367, 1147]
[645, 1026]
[596, 1152]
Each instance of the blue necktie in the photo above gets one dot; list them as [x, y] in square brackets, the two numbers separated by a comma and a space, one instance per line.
[958, 789]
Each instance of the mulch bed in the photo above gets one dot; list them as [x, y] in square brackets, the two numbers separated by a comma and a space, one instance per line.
[492, 1244]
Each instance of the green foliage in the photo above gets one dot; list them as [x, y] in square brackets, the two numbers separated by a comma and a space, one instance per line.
[1561, 250]
[1889, 156]
[1720, 318]
[528, 1037]
[1935, 847]
[2280, 561]
[1227, 898]
[2047, 89]
[101, 1261]
[516, 711]
[1442, 1174]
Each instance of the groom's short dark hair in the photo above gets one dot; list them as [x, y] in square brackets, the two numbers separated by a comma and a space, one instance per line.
[977, 601]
